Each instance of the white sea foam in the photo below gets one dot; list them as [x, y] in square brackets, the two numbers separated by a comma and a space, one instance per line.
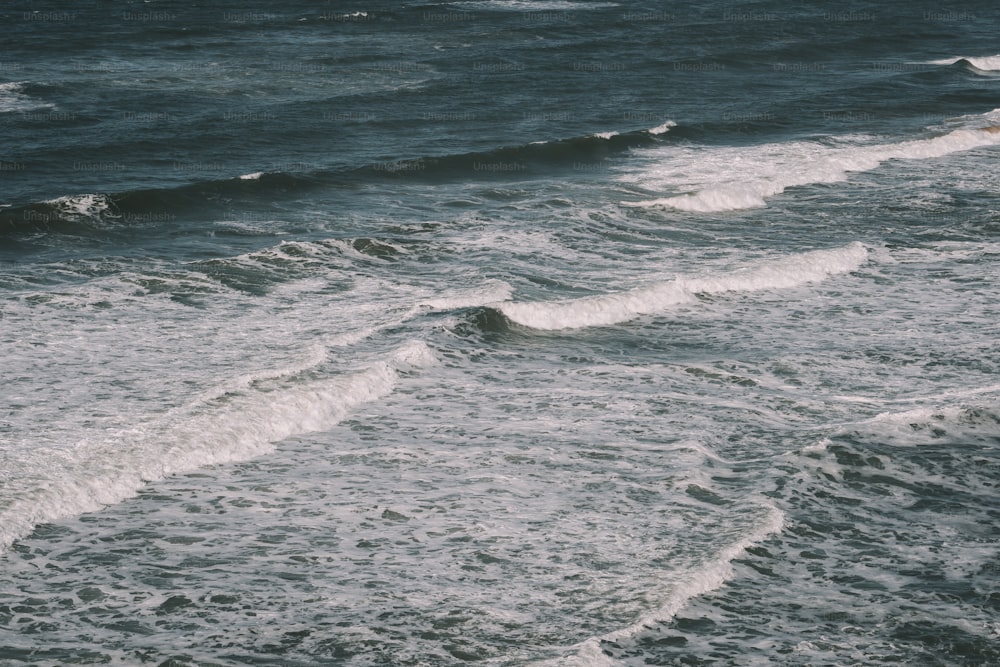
[255, 176]
[13, 98]
[662, 129]
[84, 207]
[236, 426]
[984, 63]
[605, 135]
[789, 271]
[490, 292]
[988, 63]
[315, 356]
[925, 425]
[714, 179]
[709, 577]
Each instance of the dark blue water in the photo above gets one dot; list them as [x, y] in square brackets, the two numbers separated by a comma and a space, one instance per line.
[510, 332]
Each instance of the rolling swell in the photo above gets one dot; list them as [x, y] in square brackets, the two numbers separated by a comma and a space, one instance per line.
[87, 214]
[531, 159]
[93, 214]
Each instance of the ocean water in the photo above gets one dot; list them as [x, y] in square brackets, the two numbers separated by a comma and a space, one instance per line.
[504, 332]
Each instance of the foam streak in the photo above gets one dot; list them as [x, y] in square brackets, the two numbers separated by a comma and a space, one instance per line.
[709, 577]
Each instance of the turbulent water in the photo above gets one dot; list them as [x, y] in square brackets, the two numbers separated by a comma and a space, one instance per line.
[508, 332]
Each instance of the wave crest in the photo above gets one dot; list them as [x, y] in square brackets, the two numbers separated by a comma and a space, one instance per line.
[610, 309]
[748, 176]
[232, 426]
[981, 63]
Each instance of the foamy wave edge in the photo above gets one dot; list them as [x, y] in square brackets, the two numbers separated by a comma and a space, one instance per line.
[662, 129]
[983, 63]
[89, 478]
[834, 167]
[711, 576]
[607, 309]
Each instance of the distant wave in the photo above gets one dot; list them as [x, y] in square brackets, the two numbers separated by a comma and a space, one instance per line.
[716, 179]
[534, 5]
[607, 309]
[662, 129]
[83, 207]
[91, 212]
[981, 63]
[923, 425]
[527, 159]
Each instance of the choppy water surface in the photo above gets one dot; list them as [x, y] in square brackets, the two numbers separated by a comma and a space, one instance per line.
[592, 333]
